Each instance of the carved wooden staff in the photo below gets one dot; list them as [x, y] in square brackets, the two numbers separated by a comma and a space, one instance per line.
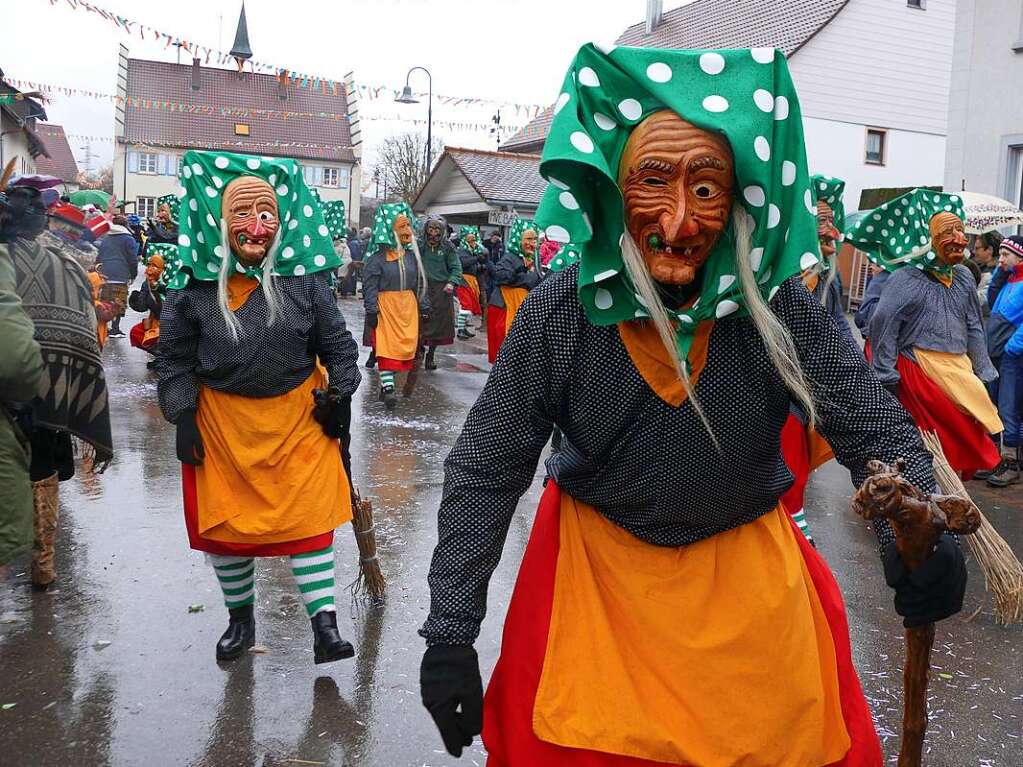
[918, 521]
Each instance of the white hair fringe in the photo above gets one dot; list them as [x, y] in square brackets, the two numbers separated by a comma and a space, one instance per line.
[775, 336]
[268, 283]
[421, 276]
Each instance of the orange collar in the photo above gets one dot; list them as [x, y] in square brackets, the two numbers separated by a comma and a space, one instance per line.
[648, 354]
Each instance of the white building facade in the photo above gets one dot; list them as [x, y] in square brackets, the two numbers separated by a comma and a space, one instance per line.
[985, 111]
[874, 85]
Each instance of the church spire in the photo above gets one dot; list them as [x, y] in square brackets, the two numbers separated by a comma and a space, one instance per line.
[241, 50]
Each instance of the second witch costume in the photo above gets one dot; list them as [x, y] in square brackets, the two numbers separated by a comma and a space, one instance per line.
[394, 295]
[515, 274]
[249, 332]
[927, 341]
[667, 610]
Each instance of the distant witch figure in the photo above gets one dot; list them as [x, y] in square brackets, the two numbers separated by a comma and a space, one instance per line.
[515, 274]
[927, 339]
[249, 332]
[394, 294]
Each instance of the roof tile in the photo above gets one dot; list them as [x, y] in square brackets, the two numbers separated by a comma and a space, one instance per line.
[222, 88]
[61, 162]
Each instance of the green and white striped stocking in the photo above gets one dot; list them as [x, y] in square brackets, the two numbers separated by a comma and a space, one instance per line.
[237, 579]
[463, 318]
[386, 379]
[314, 574]
[800, 519]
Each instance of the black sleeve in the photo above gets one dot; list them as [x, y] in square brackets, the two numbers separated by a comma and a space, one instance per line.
[506, 271]
[493, 463]
[371, 273]
[335, 346]
[859, 419]
[177, 356]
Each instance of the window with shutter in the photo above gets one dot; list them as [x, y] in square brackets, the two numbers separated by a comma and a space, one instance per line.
[133, 162]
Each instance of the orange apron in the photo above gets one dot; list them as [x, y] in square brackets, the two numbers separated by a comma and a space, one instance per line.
[397, 331]
[513, 298]
[653, 681]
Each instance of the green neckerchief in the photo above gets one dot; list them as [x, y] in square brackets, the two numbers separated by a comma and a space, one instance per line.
[746, 95]
[898, 233]
[304, 247]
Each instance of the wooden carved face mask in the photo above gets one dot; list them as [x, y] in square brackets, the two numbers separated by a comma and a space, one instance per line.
[527, 243]
[403, 228]
[678, 184]
[826, 231]
[948, 238]
[250, 210]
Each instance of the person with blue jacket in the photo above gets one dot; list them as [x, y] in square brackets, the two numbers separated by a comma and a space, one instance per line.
[118, 262]
[1005, 346]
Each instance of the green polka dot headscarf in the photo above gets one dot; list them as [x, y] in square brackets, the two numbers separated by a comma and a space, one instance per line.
[167, 250]
[174, 203]
[384, 237]
[569, 254]
[465, 231]
[305, 246]
[334, 217]
[898, 232]
[518, 228]
[831, 190]
[746, 95]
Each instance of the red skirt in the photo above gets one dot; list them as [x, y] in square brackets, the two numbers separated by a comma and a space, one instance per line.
[496, 321]
[387, 363]
[508, 706]
[795, 451]
[468, 299]
[964, 440]
[197, 542]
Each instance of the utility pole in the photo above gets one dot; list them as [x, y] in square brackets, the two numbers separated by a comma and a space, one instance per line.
[88, 156]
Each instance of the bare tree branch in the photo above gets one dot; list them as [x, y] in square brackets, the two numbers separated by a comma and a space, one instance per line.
[401, 164]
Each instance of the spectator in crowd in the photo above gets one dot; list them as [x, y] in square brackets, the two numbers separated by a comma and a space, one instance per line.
[118, 263]
[875, 284]
[1005, 346]
[985, 255]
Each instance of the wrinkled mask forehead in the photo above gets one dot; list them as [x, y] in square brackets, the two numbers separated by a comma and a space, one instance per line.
[945, 223]
[246, 191]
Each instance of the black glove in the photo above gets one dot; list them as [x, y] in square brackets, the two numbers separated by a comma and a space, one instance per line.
[449, 678]
[372, 319]
[932, 592]
[332, 411]
[892, 388]
[189, 441]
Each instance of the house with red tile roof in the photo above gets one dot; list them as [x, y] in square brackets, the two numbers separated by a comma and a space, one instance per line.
[61, 161]
[20, 113]
[165, 109]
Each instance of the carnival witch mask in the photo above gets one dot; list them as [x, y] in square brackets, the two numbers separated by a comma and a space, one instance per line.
[679, 149]
[528, 244]
[948, 238]
[259, 199]
[434, 233]
[677, 183]
[250, 213]
[403, 230]
[920, 228]
[826, 231]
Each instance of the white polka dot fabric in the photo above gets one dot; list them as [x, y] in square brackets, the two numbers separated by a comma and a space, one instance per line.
[647, 466]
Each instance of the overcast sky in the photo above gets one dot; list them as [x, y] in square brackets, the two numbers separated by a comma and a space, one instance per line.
[514, 50]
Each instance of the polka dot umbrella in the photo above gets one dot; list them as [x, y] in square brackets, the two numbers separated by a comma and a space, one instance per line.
[898, 233]
[746, 95]
[304, 246]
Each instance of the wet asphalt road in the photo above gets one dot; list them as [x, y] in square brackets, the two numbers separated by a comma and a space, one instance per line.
[110, 667]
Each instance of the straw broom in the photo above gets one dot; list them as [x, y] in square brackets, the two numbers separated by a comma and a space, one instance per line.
[371, 580]
[1003, 573]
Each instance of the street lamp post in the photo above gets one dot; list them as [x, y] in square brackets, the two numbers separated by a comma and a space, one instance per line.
[407, 97]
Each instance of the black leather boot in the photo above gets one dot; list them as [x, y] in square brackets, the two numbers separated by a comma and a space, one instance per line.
[327, 642]
[240, 634]
[429, 364]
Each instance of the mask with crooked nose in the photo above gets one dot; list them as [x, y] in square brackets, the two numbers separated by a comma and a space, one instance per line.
[678, 184]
